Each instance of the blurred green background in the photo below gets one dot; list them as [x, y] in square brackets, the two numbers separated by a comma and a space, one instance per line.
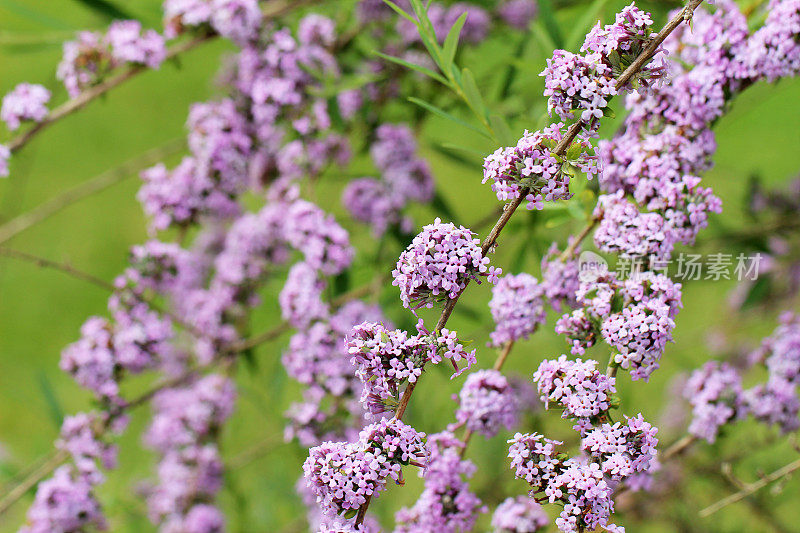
[41, 310]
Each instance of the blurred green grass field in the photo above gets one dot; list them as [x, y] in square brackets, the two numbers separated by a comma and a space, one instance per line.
[41, 310]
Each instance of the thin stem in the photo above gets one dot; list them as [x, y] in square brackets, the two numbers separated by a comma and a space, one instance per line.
[61, 267]
[751, 488]
[501, 359]
[490, 241]
[56, 459]
[92, 93]
[253, 453]
[94, 280]
[95, 185]
[569, 251]
[271, 10]
[679, 446]
[59, 457]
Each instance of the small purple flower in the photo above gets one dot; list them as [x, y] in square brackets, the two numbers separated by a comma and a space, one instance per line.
[438, 264]
[519, 515]
[486, 403]
[25, 102]
[517, 307]
[577, 386]
[518, 14]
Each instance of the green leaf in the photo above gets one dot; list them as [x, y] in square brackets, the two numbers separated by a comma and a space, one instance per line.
[574, 151]
[444, 114]
[548, 18]
[584, 24]
[400, 11]
[106, 9]
[428, 34]
[472, 93]
[451, 42]
[466, 149]
[419, 68]
[53, 405]
[451, 153]
[502, 131]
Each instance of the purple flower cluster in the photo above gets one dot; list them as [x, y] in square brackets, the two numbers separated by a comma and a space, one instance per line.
[238, 20]
[92, 55]
[715, 394]
[277, 81]
[667, 141]
[64, 502]
[635, 317]
[560, 279]
[207, 183]
[438, 264]
[386, 359]
[584, 84]
[629, 233]
[325, 245]
[622, 450]
[620, 43]
[136, 340]
[82, 437]
[25, 102]
[519, 515]
[446, 504]
[517, 307]
[577, 386]
[130, 45]
[301, 297]
[164, 268]
[405, 177]
[317, 357]
[715, 390]
[518, 14]
[578, 486]
[486, 403]
[576, 83]
[184, 428]
[532, 165]
[776, 401]
[343, 475]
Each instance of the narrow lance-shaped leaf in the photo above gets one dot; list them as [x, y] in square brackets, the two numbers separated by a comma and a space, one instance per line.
[54, 408]
[473, 94]
[413, 66]
[400, 11]
[501, 130]
[106, 9]
[451, 42]
[444, 114]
